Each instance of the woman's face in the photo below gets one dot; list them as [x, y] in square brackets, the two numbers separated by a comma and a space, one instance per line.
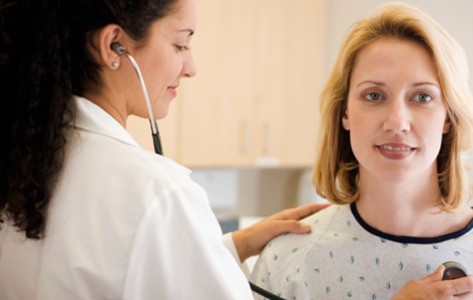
[165, 58]
[395, 114]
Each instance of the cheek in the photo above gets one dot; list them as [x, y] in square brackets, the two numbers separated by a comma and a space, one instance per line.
[157, 85]
[157, 75]
[356, 135]
[351, 119]
[361, 133]
[165, 75]
[436, 124]
[436, 132]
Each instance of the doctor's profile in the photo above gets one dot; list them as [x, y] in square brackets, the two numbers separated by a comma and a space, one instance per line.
[85, 213]
[396, 115]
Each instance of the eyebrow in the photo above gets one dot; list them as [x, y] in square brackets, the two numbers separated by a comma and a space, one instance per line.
[427, 83]
[190, 31]
[383, 84]
[370, 82]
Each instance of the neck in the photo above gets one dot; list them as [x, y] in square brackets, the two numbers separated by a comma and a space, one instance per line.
[113, 108]
[409, 208]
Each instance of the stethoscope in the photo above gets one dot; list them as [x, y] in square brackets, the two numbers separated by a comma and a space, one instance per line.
[266, 294]
[120, 50]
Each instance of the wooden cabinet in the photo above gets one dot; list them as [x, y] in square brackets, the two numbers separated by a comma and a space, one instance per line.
[254, 100]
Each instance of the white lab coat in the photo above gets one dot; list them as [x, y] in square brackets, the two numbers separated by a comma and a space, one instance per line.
[123, 223]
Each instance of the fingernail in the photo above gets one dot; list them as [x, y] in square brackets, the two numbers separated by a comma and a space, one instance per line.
[305, 227]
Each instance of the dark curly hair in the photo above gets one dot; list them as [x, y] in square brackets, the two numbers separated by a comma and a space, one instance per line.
[43, 62]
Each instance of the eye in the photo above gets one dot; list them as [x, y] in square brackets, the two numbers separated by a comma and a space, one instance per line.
[181, 47]
[373, 96]
[423, 97]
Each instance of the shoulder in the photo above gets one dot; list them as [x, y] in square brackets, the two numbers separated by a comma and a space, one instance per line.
[292, 255]
[113, 189]
[103, 156]
[290, 250]
[326, 215]
[320, 222]
[118, 180]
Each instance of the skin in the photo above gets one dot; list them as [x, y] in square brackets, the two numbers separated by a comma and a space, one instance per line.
[396, 116]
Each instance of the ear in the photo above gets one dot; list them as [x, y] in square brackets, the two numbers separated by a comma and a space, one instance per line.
[345, 120]
[447, 125]
[105, 37]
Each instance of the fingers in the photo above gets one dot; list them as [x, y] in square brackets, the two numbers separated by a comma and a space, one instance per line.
[300, 212]
[290, 226]
[451, 287]
[460, 286]
[433, 287]
[250, 241]
[466, 296]
[447, 288]
[435, 276]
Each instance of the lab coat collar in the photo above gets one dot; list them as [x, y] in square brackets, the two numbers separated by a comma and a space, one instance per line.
[93, 118]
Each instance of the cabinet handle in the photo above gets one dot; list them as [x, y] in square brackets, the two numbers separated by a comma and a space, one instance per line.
[267, 138]
[245, 144]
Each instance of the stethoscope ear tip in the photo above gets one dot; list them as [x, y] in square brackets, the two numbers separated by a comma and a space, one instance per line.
[118, 48]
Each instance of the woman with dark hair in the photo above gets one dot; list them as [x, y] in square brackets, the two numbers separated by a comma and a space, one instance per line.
[85, 212]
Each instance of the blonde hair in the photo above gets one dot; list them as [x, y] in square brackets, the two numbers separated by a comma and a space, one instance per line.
[336, 168]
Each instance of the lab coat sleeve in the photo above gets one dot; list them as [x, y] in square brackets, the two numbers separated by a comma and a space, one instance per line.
[230, 245]
[178, 252]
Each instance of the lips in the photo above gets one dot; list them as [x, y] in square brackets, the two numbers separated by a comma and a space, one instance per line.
[173, 90]
[174, 86]
[396, 148]
[395, 151]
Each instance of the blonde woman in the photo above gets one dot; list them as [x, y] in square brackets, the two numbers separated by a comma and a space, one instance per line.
[396, 114]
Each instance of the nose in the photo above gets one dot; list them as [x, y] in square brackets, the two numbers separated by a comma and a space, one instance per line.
[189, 69]
[398, 117]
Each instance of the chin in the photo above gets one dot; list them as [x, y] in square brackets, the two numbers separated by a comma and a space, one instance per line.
[162, 112]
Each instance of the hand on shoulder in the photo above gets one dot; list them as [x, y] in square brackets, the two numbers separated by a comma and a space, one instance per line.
[251, 241]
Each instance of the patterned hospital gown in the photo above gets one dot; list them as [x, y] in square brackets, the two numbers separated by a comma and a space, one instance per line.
[345, 258]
